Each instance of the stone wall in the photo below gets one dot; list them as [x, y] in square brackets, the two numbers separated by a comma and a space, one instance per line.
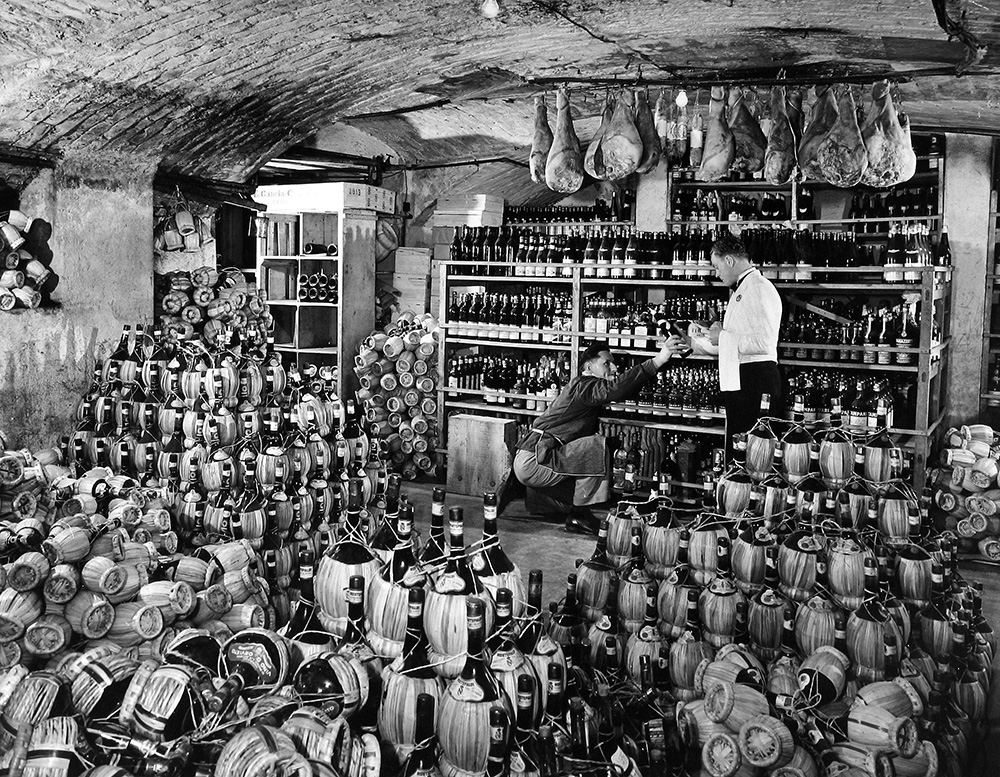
[101, 216]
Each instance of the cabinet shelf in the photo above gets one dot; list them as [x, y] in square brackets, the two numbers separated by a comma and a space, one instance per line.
[542, 224]
[301, 303]
[488, 342]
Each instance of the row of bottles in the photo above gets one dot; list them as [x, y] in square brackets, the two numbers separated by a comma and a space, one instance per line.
[800, 253]
[896, 203]
[859, 396]
[318, 287]
[619, 208]
[640, 326]
[806, 335]
[694, 205]
[679, 394]
[517, 313]
[614, 252]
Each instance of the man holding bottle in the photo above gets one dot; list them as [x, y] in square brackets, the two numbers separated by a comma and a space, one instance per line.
[562, 457]
[747, 338]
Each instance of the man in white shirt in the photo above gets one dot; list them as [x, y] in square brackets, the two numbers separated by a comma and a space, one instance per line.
[748, 338]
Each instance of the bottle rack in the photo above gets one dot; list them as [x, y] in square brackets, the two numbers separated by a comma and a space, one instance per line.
[314, 331]
[929, 357]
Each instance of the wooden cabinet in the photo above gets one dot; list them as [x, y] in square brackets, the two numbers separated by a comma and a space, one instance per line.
[323, 304]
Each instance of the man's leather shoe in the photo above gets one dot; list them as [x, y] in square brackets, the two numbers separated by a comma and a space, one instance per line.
[582, 522]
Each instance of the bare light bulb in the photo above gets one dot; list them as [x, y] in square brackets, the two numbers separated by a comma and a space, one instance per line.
[490, 9]
[681, 99]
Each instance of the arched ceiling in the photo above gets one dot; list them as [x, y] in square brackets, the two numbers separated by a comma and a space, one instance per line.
[214, 88]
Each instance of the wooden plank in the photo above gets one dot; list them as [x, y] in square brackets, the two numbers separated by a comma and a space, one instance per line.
[357, 290]
[320, 228]
[480, 453]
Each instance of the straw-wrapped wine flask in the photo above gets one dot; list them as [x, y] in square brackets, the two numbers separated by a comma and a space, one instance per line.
[53, 750]
[241, 584]
[187, 569]
[870, 760]
[104, 576]
[33, 700]
[28, 571]
[134, 623]
[694, 725]
[17, 610]
[766, 742]
[320, 737]
[802, 765]
[68, 546]
[214, 602]
[48, 635]
[100, 685]
[174, 600]
[924, 764]
[135, 578]
[721, 757]
[169, 705]
[261, 750]
[90, 614]
[823, 676]
[815, 624]
[877, 727]
[734, 704]
[245, 616]
[897, 698]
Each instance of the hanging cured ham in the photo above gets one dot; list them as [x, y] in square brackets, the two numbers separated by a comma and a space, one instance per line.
[841, 156]
[891, 159]
[793, 110]
[821, 121]
[750, 141]
[779, 158]
[564, 167]
[661, 120]
[621, 144]
[593, 162]
[647, 133]
[720, 145]
[541, 142]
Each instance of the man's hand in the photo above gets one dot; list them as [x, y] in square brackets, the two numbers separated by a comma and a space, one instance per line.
[713, 332]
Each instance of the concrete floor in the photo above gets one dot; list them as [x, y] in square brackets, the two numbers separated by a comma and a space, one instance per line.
[532, 543]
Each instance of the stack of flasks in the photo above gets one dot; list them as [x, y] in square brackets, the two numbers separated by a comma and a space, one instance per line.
[215, 575]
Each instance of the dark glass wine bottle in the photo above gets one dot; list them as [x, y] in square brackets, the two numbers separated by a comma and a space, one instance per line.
[434, 551]
[422, 761]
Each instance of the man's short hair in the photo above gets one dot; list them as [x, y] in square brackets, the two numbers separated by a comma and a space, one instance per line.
[728, 244]
[593, 351]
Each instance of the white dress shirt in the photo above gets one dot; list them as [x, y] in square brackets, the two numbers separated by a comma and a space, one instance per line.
[749, 328]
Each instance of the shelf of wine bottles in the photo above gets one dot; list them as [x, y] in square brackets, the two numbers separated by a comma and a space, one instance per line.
[619, 209]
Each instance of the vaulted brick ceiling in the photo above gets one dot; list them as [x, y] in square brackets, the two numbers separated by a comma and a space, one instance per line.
[216, 87]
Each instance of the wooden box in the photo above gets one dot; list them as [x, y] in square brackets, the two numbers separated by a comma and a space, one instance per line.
[480, 453]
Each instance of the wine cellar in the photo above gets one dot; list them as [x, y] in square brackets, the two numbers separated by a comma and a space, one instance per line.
[500, 388]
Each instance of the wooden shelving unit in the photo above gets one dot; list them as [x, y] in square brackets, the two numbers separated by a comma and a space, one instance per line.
[314, 331]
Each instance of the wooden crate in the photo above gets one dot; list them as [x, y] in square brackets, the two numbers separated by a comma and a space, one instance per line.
[480, 453]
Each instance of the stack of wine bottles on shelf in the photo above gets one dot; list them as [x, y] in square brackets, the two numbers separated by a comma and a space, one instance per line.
[397, 367]
[864, 400]
[521, 383]
[619, 208]
[691, 205]
[205, 301]
[620, 253]
[318, 287]
[966, 489]
[517, 317]
[805, 255]
[870, 333]
[628, 325]
[643, 455]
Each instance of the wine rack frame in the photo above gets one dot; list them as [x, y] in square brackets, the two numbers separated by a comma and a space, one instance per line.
[930, 358]
[346, 322]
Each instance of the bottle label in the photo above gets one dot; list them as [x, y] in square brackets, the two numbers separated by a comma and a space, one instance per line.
[306, 572]
[465, 690]
[604, 624]
[414, 610]
[490, 512]
[449, 583]
[354, 597]
[253, 655]
[405, 527]
[504, 661]
[479, 562]
[474, 622]
[517, 765]
[545, 646]
[649, 634]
